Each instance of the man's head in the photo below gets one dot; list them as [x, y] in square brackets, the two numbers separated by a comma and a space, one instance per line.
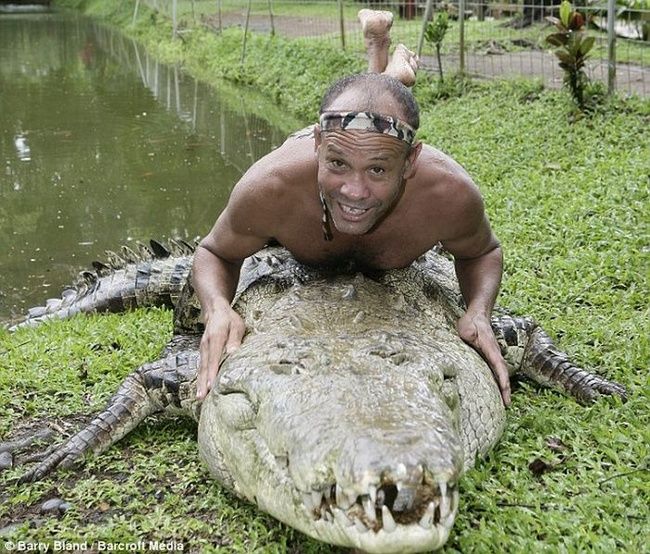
[365, 149]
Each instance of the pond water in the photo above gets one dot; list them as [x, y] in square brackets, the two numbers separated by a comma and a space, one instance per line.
[100, 146]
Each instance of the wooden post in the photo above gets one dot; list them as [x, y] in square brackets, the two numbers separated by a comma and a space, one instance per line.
[135, 11]
[174, 20]
[342, 23]
[271, 16]
[219, 12]
[425, 19]
[461, 22]
[243, 46]
[611, 46]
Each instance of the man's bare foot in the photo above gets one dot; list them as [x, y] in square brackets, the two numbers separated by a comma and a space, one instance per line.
[376, 25]
[403, 66]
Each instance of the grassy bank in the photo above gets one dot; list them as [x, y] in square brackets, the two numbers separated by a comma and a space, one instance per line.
[569, 203]
[291, 73]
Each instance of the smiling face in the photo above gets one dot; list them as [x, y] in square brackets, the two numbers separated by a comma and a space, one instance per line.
[362, 173]
[361, 176]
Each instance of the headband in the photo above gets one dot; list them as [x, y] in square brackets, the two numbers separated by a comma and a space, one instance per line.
[367, 121]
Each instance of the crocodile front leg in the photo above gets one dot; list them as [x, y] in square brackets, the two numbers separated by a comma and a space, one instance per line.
[527, 348]
[168, 384]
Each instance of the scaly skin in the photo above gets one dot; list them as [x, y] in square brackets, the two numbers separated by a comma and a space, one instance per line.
[351, 409]
[151, 277]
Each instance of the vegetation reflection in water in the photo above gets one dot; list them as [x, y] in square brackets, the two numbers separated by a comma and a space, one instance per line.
[102, 145]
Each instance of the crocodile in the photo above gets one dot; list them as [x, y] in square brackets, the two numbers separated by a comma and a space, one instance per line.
[351, 409]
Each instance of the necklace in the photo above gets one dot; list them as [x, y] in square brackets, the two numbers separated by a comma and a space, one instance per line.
[325, 223]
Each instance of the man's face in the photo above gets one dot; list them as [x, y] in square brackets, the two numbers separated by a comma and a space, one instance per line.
[361, 177]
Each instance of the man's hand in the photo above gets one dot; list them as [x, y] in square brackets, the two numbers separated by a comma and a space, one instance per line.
[475, 330]
[224, 330]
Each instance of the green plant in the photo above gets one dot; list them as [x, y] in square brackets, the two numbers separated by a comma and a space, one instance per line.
[572, 49]
[435, 33]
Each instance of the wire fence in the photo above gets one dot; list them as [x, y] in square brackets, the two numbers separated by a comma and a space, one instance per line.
[492, 39]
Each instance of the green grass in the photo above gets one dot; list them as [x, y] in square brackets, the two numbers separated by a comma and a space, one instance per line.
[569, 201]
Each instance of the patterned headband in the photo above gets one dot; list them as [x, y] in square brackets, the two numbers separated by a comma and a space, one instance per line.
[367, 121]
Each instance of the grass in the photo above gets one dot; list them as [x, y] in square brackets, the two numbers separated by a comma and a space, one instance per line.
[569, 202]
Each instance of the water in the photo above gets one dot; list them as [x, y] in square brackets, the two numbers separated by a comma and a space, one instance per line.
[100, 145]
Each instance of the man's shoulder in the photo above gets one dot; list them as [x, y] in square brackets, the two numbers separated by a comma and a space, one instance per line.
[444, 178]
[274, 181]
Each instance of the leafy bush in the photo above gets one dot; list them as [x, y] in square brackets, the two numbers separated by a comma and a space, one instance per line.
[572, 49]
[434, 34]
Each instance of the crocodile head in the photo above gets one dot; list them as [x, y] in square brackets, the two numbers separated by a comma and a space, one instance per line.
[339, 416]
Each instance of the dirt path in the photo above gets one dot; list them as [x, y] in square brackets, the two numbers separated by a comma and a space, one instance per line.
[630, 79]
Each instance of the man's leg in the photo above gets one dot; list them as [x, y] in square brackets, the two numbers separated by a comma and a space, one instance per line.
[403, 65]
[376, 26]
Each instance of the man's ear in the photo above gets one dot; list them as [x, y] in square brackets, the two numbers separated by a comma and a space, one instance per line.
[410, 166]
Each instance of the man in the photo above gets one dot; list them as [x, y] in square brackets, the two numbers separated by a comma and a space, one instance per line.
[357, 189]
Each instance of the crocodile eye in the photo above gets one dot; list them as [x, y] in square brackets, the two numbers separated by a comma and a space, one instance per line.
[236, 411]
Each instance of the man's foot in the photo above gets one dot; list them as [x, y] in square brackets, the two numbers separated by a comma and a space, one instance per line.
[376, 25]
[403, 66]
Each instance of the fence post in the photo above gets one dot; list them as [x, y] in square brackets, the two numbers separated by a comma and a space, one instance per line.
[135, 11]
[243, 46]
[611, 46]
[342, 23]
[427, 15]
[219, 12]
[461, 22]
[271, 16]
[174, 25]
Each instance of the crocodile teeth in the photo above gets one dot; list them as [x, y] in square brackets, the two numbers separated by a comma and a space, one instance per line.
[343, 500]
[308, 502]
[360, 527]
[369, 509]
[316, 498]
[387, 519]
[445, 503]
[427, 519]
[338, 495]
[372, 493]
[341, 518]
[454, 501]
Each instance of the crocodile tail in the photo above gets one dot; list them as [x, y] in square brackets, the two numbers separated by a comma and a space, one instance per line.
[151, 276]
[167, 384]
[527, 348]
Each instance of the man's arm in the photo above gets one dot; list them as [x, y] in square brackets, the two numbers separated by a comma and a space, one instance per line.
[479, 266]
[238, 233]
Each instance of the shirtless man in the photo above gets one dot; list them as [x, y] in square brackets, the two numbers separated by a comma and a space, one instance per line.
[357, 189]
